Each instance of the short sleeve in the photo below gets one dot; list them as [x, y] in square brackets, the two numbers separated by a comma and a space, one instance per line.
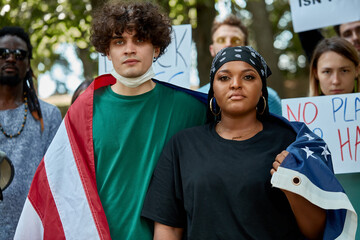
[52, 121]
[55, 121]
[164, 201]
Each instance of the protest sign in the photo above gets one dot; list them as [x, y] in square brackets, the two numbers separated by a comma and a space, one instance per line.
[314, 14]
[335, 118]
[174, 65]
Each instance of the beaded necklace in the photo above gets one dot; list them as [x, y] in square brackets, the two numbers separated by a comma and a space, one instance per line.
[22, 125]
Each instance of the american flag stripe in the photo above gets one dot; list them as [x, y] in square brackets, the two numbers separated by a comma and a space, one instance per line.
[38, 221]
[30, 228]
[68, 190]
[63, 193]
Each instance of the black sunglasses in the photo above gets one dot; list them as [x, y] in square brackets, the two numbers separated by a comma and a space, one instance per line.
[18, 53]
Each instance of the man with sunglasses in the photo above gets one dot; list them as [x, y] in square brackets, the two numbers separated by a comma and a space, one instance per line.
[230, 32]
[27, 124]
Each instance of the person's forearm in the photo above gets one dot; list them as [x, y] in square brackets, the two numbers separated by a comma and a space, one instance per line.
[309, 40]
[164, 232]
[310, 218]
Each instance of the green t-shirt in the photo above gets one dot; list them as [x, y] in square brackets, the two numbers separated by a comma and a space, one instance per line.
[129, 133]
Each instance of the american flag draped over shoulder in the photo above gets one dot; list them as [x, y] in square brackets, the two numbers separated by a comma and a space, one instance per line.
[308, 171]
[63, 202]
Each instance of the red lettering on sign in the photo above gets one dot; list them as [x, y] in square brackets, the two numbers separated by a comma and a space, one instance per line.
[289, 111]
[357, 141]
[305, 113]
[316, 113]
[342, 145]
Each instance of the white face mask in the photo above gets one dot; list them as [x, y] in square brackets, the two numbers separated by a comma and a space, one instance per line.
[137, 81]
[134, 82]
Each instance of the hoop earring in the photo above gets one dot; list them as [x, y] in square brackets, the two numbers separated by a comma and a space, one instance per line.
[211, 107]
[356, 84]
[262, 112]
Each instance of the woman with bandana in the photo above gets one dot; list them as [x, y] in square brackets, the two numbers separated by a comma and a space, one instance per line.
[223, 180]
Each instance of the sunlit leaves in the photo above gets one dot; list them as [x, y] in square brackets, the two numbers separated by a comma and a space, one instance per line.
[49, 23]
[5, 9]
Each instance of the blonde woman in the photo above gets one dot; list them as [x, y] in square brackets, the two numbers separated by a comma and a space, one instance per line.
[334, 68]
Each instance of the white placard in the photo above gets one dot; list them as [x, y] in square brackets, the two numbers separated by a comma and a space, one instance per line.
[336, 119]
[174, 65]
[314, 14]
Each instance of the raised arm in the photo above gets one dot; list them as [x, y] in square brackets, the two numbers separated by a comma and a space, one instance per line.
[310, 218]
[309, 40]
[164, 232]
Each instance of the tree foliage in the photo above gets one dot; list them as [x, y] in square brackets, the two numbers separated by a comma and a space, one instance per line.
[198, 13]
[51, 23]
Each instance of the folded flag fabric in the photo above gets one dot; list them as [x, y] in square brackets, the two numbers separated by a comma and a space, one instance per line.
[308, 171]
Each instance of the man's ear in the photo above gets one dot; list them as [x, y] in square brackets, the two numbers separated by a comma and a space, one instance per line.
[108, 56]
[156, 52]
[107, 51]
[212, 51]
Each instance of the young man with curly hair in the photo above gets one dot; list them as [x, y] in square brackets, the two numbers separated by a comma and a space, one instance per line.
[99, 166]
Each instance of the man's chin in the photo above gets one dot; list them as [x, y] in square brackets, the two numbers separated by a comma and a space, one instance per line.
[11, 81]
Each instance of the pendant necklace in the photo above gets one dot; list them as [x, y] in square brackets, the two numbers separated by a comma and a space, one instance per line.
[22, 124]
[247, 133]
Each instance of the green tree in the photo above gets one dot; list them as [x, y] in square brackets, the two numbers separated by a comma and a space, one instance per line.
[262, 26]
[198, 13]
[51, 23]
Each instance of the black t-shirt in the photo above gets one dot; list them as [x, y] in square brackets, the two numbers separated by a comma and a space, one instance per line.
[220, 189]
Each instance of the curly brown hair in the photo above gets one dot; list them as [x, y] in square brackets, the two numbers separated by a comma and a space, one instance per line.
[115, 17]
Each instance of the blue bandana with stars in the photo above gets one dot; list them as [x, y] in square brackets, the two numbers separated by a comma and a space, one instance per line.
[240, 53]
